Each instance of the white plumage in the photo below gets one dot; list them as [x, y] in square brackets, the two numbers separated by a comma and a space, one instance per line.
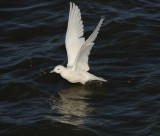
[78, 49]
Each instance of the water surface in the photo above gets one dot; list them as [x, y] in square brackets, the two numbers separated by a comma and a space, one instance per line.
[126, 53]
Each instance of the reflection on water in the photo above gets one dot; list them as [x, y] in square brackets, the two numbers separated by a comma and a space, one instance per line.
[73, 105]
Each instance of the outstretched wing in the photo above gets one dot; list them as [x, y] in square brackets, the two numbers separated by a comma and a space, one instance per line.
[81, 62]
[74, 36]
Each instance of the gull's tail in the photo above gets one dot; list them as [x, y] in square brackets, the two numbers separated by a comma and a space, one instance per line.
[98, 78]
[101, 79]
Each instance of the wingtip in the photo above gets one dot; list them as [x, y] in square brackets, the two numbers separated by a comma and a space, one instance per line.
[103, 17]
[70, 3]
[73, 4]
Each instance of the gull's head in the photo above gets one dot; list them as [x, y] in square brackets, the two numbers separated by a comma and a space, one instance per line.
[58, 69]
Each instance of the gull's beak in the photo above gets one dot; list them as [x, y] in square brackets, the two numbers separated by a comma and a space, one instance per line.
[52, 71]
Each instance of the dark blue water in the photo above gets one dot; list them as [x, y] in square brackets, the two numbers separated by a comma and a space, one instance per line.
[126, 53]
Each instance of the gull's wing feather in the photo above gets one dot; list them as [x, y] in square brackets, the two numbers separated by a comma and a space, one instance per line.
[93, 36]
[81, 62]
[74, 36]
[82, 58]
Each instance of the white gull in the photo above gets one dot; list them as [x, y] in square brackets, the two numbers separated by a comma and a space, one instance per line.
[78, 50]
